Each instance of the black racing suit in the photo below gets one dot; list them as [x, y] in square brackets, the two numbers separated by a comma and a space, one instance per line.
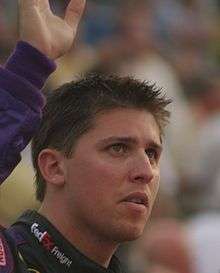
[37, 246]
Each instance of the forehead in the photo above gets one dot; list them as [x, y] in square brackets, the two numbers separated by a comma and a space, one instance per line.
[126, 122]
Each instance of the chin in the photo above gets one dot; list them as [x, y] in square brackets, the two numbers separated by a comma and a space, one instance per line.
[129, 233]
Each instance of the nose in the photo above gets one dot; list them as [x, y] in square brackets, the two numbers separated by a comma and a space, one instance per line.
[141, 170]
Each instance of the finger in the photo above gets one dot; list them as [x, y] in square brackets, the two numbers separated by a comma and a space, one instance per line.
[29, 4]
[44, 4]
[26, 3]
[74, 12]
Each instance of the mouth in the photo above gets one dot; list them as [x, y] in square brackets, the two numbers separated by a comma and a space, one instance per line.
[138, 198]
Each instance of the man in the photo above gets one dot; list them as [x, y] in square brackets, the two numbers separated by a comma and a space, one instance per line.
[96, 153]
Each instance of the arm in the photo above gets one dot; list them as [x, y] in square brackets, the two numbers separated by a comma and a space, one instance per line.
[20, 102]
[45, 37]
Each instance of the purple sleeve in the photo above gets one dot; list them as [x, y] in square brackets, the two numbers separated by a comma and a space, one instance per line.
[21, 102]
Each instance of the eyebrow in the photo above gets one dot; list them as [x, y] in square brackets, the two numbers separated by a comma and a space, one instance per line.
[129, 140]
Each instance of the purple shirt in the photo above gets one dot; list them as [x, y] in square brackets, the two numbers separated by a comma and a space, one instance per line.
[21, 102]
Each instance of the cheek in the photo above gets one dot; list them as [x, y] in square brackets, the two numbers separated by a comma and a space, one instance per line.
[154, 185]
[97, 178]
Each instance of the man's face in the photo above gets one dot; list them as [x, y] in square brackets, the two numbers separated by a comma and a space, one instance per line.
[112, 178]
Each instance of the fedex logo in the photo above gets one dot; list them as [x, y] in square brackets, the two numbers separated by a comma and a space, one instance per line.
[43, 237]
[46, 240]
[2, 254]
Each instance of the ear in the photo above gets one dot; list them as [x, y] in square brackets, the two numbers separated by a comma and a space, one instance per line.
[51, 165]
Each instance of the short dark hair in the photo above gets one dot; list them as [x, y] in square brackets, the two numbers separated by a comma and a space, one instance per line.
[71, 109]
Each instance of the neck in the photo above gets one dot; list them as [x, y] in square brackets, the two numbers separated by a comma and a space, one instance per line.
[91, 245]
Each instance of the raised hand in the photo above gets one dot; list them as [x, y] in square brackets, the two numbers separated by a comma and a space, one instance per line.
[47, 32]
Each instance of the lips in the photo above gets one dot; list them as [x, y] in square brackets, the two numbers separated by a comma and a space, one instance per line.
[137, 198]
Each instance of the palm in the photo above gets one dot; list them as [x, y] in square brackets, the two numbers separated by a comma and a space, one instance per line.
[47, 32]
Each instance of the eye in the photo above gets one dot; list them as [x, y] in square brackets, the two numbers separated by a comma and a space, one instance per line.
[118, 148]
[152, 154]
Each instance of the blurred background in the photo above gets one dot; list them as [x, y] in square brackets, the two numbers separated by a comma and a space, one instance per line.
[175, 44]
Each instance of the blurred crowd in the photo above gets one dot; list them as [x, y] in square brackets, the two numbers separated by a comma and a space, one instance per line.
[176, 45]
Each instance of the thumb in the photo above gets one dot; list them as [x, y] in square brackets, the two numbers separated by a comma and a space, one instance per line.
[74, 12]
